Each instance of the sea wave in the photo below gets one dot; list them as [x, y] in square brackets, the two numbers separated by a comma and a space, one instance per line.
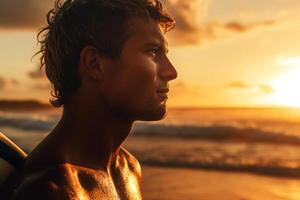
[216, 132]
[276, 171]
[260, 158]
[27, 123]
[212, 147]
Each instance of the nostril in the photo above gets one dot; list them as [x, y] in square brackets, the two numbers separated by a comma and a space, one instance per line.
[175, 74]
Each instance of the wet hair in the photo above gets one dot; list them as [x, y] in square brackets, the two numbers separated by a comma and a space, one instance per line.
[73, 24]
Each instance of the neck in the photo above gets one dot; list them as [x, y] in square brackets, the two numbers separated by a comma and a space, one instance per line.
[90, 136]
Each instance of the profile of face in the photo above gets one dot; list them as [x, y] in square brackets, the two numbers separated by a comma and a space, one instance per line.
[137, 83]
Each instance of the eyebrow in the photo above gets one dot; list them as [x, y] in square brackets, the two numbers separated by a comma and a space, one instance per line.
[161, 44]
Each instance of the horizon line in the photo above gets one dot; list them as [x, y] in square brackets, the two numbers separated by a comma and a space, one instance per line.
[174, 107]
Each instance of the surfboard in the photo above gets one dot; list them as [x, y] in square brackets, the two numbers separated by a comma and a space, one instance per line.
[11, 157]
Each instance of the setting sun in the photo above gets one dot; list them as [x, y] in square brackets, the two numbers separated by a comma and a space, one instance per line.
[286, 85]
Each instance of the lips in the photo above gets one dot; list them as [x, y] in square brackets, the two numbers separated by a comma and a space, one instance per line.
[163, 94]
[163, 91]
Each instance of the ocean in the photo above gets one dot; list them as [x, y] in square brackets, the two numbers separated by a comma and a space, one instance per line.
[265, 141]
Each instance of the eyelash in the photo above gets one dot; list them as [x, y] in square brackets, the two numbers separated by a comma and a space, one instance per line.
[155, 51]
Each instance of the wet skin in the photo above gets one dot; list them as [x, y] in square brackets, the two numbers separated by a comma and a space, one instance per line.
[82, 157]
[68, 181]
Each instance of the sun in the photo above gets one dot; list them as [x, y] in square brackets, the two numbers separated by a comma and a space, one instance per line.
[287, 85]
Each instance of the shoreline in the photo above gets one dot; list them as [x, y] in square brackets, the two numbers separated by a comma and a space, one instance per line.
[164, 183]
[293, 174]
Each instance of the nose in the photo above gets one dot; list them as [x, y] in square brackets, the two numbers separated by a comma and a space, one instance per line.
[167, 71]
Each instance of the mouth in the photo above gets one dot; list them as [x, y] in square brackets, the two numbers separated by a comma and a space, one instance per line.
[163, 94]
[163, 91]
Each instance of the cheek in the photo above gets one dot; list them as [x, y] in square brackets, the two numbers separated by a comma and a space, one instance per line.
[142, 76]
[135, 84]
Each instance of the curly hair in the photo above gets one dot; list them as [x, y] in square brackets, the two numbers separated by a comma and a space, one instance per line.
[73, 24]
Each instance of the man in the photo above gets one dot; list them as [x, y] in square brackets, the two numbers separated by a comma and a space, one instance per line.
[107, 63]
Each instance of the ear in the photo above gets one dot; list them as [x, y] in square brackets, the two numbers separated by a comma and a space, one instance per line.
[92, 64]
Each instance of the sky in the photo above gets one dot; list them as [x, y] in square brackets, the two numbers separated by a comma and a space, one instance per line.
[233, 53]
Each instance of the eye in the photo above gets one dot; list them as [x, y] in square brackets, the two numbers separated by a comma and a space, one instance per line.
[153, 51]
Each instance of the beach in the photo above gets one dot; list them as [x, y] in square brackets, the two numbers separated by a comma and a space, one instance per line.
[200, 154]
[165, 183]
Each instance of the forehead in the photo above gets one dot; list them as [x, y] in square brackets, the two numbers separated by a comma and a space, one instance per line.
[144, 31]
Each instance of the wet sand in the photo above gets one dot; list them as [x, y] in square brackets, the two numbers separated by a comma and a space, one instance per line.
[160, 183]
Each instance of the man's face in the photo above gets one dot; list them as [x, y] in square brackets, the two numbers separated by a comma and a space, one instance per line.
[137, 82]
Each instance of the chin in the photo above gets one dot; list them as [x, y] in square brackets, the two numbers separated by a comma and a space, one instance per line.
[154, 114]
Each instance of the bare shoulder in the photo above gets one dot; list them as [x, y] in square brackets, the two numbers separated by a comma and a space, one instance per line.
[51, 183]
[131, 161]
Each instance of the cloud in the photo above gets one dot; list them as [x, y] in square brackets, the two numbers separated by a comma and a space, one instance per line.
[15, 82]
[30, 14]
[238, 27]
[183, 12]
[185, 94]
[37, 73]
[213, 30]
[185, 15]
[237, 85]
[2, 83]
[182, 88]
[39, 78]
[190, 31]
[257, 88]
[8, 83]
[266, 89]
[42, 86]
[23, 14]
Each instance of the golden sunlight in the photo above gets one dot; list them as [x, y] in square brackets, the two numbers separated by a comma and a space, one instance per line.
[286, 85]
